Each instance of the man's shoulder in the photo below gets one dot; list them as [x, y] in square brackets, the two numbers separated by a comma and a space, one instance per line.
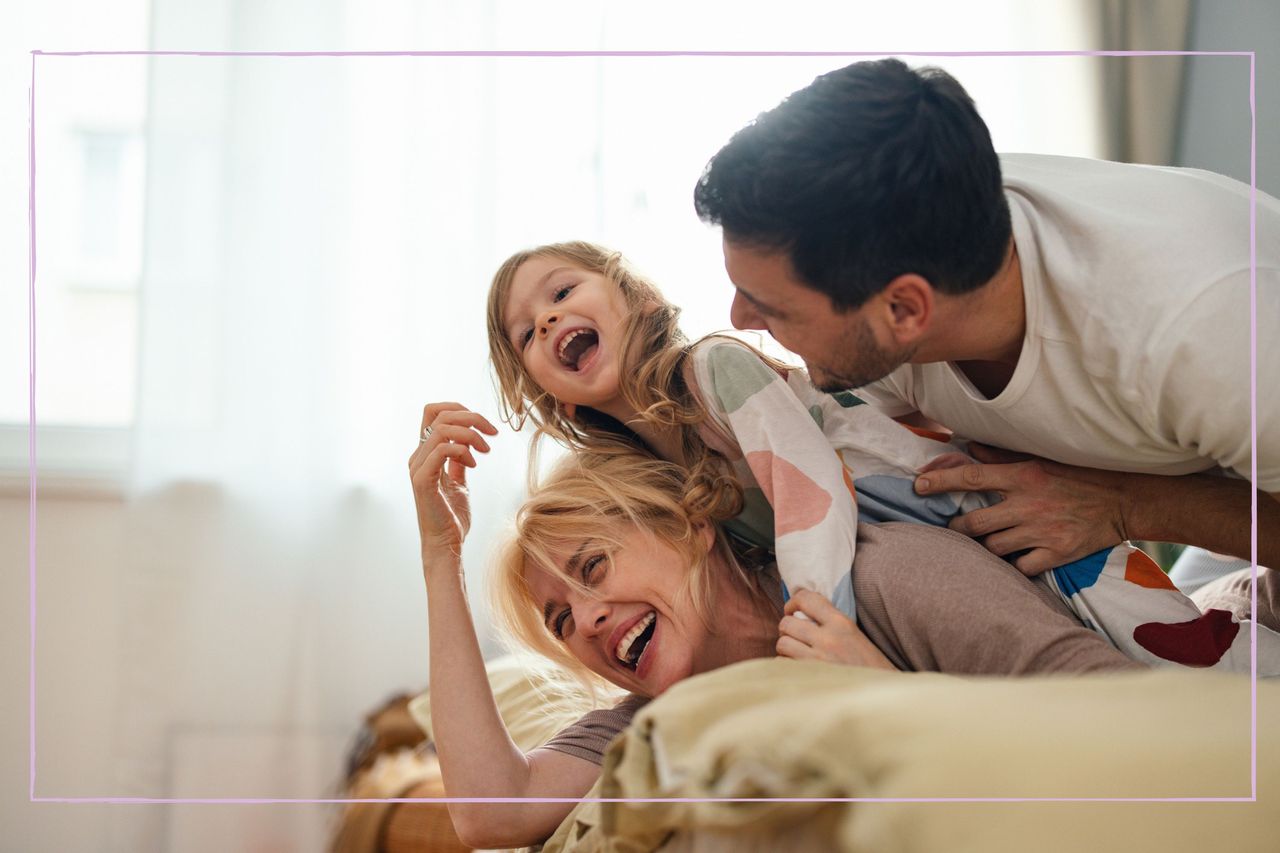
[1172, 193]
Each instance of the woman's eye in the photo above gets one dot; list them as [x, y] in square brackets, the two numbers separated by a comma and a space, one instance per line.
[589, 567]
[558, 626]
[561, 293]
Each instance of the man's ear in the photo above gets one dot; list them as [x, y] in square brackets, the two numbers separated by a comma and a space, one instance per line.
[907, 308]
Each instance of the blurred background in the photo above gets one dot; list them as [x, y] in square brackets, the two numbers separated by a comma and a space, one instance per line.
[254, 271]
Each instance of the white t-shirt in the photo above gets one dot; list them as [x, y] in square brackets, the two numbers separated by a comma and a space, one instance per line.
[1137, 349]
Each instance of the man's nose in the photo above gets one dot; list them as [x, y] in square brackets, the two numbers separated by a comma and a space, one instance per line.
[743, 314]
[547, 322]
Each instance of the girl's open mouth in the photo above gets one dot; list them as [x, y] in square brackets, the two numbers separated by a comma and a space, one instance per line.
[578, 348]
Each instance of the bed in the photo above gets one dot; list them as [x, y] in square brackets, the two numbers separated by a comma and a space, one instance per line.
[773, 728]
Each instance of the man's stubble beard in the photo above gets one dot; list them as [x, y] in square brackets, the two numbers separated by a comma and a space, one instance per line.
[861, 361]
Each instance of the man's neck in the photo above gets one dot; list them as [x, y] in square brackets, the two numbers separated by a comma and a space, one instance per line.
[981, 332]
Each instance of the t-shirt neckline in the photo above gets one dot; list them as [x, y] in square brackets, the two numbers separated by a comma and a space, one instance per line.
[1029, 358]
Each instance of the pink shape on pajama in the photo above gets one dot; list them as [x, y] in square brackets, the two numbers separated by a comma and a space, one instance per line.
[805, 503]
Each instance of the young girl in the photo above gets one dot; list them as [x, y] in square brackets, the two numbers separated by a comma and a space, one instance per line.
[591, 354]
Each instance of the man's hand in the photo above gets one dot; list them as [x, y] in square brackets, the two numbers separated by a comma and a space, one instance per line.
[1057, 513]
[827, 634]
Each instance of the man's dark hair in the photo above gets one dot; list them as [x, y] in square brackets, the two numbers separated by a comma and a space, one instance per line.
[867, 173]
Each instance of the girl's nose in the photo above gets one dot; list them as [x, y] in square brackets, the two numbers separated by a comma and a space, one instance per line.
[547, 322]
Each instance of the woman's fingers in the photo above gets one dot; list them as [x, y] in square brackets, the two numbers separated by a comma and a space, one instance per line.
[426, 475]
[813, 605]
[790, 647]
[450, 423]
[800, 629]
[455, 413]
[425, 450]
[443, 432]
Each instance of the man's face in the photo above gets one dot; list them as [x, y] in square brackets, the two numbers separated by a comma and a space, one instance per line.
[840, 348]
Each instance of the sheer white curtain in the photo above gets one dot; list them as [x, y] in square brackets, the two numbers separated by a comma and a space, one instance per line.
[320, 235]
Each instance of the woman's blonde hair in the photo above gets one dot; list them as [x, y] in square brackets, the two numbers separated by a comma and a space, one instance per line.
[651, 382]
[591, 496]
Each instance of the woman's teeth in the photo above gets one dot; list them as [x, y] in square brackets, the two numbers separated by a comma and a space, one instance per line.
[623, 652]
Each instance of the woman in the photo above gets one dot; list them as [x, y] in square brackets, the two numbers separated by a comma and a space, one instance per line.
[612, 577]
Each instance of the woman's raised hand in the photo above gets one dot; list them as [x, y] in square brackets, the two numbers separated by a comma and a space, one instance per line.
[437, 469]
[827, 634]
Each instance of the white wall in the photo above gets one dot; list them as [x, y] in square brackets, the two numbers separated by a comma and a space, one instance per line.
[72, 534]
[1214, 132]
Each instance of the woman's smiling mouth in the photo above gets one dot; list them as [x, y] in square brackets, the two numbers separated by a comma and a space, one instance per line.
[631, 646]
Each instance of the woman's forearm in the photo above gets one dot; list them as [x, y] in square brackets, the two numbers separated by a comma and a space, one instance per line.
[477, 755]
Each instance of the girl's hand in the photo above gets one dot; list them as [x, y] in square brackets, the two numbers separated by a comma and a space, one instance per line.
[437, 469]
[827, 634]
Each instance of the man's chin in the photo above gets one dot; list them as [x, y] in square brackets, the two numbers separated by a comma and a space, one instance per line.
[829, 383]
[872, 368]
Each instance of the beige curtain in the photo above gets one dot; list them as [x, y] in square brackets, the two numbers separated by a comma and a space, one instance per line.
[1142, 96]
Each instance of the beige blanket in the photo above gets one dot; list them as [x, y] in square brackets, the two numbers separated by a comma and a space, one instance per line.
[780, 728]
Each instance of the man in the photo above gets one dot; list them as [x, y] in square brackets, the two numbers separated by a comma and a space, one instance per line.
[1091, 313]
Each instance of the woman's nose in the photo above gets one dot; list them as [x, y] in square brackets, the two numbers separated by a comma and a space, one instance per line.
[547, 322]
[591, 616]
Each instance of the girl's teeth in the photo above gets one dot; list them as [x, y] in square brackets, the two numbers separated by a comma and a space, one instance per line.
[565, 343]
[624, 645]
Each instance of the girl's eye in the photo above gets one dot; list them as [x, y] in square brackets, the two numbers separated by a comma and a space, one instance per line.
[525, 338]
[557, 627]
[561, 293]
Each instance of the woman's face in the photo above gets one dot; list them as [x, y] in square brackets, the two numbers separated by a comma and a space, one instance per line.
[635, 626]
[566, 324]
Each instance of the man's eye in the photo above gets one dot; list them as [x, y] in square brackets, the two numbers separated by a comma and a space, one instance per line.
[561, 293]
[557, 627]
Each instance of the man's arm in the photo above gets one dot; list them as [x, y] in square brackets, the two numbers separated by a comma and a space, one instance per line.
[1059, 513]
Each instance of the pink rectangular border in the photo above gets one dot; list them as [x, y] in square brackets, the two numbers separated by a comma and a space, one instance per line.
[1253, 396]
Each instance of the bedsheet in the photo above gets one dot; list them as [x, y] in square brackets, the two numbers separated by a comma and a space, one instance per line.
[781, 728]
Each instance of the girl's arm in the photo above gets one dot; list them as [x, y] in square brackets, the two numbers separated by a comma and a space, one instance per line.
[477, 756]
[800, 474]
